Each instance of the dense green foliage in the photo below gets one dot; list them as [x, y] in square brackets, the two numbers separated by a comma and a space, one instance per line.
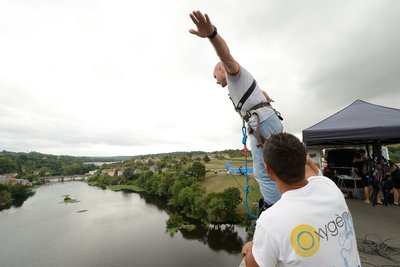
[31, 165]
[197, 169]
[53, 165]
[5, 198]
[7, 165]
[175, 221]
[9, 194]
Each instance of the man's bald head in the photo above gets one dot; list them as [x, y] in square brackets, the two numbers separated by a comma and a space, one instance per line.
[220, 74]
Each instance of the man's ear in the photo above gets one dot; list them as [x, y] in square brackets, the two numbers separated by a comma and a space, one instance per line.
[270, 172]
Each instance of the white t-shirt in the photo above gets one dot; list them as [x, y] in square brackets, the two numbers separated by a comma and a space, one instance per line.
[310, 226]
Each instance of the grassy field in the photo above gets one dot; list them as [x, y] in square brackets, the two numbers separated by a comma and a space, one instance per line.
[218, 179]
[218, 164]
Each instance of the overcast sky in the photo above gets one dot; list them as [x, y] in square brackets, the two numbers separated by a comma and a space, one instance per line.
[102, 77]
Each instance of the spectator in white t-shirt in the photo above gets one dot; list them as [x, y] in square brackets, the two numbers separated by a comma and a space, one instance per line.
[311, 224]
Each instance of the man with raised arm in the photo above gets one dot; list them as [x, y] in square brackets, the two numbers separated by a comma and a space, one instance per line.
[311, 224]
[249, 101]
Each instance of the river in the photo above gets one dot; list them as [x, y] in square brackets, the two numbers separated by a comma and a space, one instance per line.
[106, 228]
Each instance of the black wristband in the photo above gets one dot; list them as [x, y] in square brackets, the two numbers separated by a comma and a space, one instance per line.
[214, 33]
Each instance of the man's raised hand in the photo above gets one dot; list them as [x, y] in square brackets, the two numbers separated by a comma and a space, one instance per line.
[204, 26]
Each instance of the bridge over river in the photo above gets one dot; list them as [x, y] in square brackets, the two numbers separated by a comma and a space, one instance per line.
[64, 178]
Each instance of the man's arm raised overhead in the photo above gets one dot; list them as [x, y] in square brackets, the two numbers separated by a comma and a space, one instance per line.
[206, 29]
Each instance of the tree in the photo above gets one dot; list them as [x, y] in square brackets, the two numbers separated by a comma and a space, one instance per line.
[184, 160]
[215, 208]
[221, 207]
[150, 162]
[161, 164]
[206, 158]
[19, 191]
[74, 168]
[5, 198]
[180, 182]
[44, 171]
[164, 185]
[175, 221]
[7, 165]
[197, 170]
[129, 173]
[187, 197]
[232, 199]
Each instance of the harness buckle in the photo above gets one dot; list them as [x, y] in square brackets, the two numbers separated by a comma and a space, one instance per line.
[247, 116]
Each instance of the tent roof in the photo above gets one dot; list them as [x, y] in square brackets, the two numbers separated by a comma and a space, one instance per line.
[357, 123]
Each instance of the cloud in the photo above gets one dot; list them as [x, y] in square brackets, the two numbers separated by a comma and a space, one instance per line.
[126, 78]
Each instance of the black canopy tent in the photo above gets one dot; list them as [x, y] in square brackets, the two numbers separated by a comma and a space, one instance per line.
[359, 123]
[356, 124]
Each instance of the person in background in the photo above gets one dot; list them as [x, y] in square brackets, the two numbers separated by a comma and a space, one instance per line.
[249, 100]
[311, 224]
[360, 169]
[395, 174]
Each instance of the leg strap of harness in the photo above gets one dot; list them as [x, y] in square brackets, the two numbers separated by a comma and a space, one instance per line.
[257, 132]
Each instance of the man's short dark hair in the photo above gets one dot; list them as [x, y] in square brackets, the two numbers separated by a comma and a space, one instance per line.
[286, 156]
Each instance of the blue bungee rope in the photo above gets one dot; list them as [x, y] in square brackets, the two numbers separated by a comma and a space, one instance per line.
[246, 189]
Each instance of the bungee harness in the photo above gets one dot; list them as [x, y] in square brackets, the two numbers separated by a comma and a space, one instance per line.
[253, 111]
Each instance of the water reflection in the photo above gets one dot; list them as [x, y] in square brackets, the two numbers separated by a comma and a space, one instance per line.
[160, 203]
[17, 202]
[223, 237]
[217, 237]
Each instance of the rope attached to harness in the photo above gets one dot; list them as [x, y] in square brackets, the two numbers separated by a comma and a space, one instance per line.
[246, 189]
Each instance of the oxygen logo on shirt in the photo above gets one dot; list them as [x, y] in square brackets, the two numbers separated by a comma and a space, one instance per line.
[304, 240]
